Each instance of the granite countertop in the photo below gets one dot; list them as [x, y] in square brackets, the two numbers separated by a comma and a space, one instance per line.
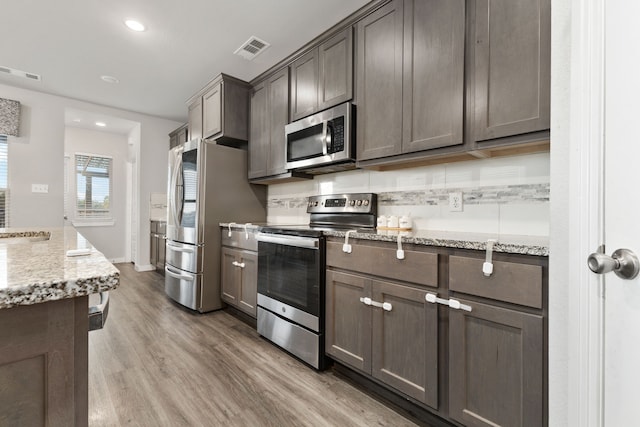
[526, 245]
[513, 244]
[35, 267]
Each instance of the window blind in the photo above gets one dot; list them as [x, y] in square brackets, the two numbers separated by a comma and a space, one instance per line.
[93, 186]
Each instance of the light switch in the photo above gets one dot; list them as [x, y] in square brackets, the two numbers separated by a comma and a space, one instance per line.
[39, 188]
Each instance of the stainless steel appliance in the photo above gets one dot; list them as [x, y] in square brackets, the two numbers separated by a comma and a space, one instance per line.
[291, 273]
[325, 139]
[207, 185]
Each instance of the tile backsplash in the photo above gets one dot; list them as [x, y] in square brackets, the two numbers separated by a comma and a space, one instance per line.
[505, 196]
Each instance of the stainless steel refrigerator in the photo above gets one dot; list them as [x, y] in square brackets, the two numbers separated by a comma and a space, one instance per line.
[207, 185]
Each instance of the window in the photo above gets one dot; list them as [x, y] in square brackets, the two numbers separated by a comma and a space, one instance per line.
[4, 182]
[93, 186]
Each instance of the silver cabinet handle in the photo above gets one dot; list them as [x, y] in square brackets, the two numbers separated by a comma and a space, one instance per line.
[98, 313]
[238, 264]
[296, 241]
[623, 262]
[178, 275]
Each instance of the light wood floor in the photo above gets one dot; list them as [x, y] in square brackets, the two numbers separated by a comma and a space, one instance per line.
[157, 364]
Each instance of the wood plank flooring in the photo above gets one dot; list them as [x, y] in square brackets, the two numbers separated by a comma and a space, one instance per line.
[157, 364]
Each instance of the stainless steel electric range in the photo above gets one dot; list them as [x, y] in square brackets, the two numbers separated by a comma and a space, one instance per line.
[291, 273]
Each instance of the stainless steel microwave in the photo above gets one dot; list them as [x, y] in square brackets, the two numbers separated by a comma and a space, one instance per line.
[322, 139]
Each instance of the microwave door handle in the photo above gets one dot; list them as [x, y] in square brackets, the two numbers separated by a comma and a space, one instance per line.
[330, 140]
[325, 129]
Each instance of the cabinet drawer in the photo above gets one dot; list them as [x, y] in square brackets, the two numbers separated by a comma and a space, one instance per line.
[416, 267]
[239, 239]
[509, 282]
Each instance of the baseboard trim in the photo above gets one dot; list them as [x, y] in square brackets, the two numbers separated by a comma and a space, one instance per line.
[146, 267]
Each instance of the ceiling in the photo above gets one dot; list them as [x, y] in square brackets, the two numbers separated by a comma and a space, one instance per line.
[72, 43]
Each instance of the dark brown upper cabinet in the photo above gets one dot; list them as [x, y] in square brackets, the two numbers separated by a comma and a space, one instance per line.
[410, 77]
[269, 115]
[178, 136]
[323, 77]
[511, 51]
[220, 111]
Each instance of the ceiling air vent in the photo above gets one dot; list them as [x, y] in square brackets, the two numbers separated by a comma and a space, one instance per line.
[252, 48]
[18, 73]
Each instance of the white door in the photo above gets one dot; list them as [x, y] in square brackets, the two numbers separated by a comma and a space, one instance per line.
[621, 315]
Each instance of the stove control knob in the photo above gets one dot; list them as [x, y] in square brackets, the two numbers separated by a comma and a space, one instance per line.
[352, 202]
[315, 203]
[365, 202]
[359, 203]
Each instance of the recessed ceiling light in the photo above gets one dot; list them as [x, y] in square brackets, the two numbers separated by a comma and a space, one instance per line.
[109, 79]
[135, 25]
[101, 124]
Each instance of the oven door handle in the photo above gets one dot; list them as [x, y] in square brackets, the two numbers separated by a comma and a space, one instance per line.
[297, 241]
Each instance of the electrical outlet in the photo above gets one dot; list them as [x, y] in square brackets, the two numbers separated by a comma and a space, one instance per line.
[455, 201]
[39, 188]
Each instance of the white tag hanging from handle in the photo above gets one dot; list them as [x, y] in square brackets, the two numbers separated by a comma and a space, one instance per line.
[487, 267]
[346, 247]
[246, 232]
[400, 251]
[231, 224]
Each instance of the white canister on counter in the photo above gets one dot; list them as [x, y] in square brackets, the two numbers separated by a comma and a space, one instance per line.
[405, 222]
[392, 221]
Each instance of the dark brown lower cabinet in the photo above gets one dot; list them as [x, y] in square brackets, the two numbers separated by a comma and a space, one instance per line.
[397, 345]
[496, 366]
[239, 279]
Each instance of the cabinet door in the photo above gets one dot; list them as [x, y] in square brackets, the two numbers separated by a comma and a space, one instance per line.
[304, 85]
[348, 321]
[278, 116]
[195, 119]
[173, 141]
[405, 341]
[379, 83]
[496, 373]
[512, 67]
[212, 111]
[248, 294]
[258, 132]
[433, 74]
[335, 72]
[182, 135]
[229, 276]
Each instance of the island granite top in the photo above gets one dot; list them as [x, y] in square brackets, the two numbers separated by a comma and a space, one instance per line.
[513, 244]
[36, 266]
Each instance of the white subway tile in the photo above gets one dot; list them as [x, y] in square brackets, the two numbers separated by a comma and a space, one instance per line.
[527, 219]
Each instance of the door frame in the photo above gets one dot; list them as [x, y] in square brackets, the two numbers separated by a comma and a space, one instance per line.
[576, 308]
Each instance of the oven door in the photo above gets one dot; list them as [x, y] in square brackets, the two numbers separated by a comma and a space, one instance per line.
[290, 276]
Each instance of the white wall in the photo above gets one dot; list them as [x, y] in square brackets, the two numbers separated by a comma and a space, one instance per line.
[504, 196]
[111, 240]
[37, 157]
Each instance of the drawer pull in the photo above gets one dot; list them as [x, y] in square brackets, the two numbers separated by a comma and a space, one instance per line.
[383, 305]
[238, 264]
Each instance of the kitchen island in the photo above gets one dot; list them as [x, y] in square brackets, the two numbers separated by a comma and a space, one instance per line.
[46, 277]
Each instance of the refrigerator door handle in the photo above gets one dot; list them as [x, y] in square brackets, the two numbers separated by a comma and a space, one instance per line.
[178, 275]
[180, 248]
